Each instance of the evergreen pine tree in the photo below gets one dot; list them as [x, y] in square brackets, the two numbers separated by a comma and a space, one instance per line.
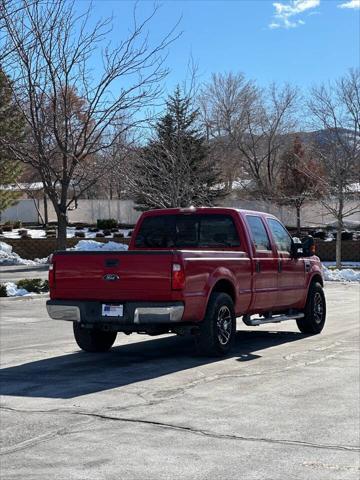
[11, 126]
[174, 169]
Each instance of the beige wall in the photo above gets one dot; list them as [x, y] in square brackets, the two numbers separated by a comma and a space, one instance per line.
[89, 211]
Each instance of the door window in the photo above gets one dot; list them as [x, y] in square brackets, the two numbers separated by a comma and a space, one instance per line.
[259, 234]
[281, 236]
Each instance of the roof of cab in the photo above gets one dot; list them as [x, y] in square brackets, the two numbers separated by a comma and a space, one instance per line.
[189, 210]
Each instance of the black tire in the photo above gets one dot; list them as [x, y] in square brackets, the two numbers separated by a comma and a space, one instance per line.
[217, 330]
[315, 311]
[93, 340]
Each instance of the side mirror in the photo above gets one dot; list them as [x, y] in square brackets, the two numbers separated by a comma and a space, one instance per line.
[308, 246]
[296, 248]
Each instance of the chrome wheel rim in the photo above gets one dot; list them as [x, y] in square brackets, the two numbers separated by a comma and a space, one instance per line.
[318, 308]
[224, 325]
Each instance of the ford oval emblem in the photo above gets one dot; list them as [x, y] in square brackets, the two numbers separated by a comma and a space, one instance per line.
[111, 277]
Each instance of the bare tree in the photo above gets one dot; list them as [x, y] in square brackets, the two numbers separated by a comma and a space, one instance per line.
[336, 110]
[300, 179]
[73, 114]
[254, 121]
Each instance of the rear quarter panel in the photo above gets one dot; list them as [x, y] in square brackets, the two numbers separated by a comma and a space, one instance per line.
[203, 270]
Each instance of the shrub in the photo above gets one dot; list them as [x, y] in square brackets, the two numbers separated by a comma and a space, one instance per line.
[7, 228]
[3, 292]
[130, 233]
[25, 236]
[23, 231]
[80, 234]
[106, 223]
[1, 231]
[113, 230]
[319, 234]
[17, 224]
[93, 229]
[118, 235]
[99, 235]
[107, 232]
[347, 236]
[35, 285]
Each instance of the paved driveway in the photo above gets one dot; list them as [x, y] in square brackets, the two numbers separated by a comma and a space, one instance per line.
[14, 273]
[282, 406]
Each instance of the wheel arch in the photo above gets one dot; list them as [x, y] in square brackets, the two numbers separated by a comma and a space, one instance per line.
[225, 286]
[317, 278]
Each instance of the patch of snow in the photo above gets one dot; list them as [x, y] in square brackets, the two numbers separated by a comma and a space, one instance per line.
[70, 232]
[5, 248]
[91, 245]
[34, 233]
[344, 275]
[13, 291]
[8, 257]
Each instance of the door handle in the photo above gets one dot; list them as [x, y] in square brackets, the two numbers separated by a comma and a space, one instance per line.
[279, 266]
[257, 266]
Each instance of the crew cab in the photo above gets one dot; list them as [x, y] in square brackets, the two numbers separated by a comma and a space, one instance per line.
[190, 271]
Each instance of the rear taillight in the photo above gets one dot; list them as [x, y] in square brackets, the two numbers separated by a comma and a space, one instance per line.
[51, 272]
[178, 277]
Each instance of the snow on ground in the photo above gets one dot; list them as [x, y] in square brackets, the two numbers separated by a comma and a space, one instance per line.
[13, 291]
[91, 245]
[70, 232]
[8, 257]
[344, 275]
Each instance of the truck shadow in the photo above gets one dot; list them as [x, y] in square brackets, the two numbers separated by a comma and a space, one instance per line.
[80, 373]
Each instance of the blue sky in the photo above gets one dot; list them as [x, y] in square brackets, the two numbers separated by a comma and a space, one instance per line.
[300, 41]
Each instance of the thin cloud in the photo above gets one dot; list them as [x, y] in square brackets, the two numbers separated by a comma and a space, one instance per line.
[286, 13]
[350, 4]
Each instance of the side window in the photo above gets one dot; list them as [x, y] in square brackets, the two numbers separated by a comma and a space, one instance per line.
[218, 231]
[258, 232]
[281, 236]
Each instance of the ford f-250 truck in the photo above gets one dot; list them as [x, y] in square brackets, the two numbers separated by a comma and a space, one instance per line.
[191, 270]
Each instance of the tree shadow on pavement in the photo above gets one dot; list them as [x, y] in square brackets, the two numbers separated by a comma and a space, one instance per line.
[80, 373]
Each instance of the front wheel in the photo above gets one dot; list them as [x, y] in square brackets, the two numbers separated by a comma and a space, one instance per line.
[217, 330]
[315, 311]
[93, 340]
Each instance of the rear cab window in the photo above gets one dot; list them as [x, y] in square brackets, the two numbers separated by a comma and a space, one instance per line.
[203, 231]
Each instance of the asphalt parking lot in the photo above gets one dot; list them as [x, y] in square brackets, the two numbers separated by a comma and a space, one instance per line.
[15, 273]
[282, 406]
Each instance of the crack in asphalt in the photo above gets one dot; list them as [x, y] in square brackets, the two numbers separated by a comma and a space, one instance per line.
[181, 428]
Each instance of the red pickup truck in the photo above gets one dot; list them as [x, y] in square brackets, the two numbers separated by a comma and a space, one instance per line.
[190, 270]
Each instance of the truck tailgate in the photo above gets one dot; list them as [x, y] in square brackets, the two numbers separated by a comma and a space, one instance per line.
[144, 276]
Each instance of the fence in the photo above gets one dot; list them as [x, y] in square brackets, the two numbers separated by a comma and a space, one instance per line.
[32, 248]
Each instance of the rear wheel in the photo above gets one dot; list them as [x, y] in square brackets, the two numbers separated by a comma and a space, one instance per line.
[93, 340]
[217, 330]
[315, 311]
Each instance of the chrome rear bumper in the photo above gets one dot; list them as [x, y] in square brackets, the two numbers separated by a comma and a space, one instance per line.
[64, 312]
[158, 314]
[135, 313]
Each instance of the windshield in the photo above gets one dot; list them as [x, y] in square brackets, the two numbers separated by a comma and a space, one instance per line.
[187, 231]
